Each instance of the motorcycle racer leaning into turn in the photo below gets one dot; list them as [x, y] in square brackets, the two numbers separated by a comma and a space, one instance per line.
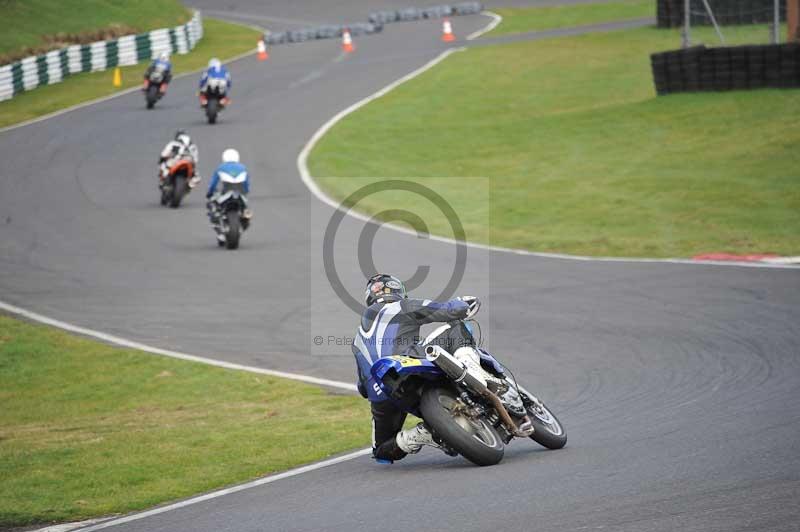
[231, 174]
[181, 147]
[390, 325]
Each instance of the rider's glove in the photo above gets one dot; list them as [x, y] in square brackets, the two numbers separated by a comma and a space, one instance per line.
[474, 304]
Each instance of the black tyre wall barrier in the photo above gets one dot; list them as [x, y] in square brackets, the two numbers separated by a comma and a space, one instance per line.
[375, 24]
[413, 13]
[726, 68]
[669, 13]
[321, 32]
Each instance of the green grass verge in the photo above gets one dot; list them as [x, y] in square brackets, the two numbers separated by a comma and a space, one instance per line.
[524, 19]
[583, 158]
[32, 20]
[87, 429]
[220, 39]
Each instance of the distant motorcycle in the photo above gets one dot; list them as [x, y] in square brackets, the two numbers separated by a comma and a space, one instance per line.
[155, 86]
[178, 182]
[472, 405]
[230, 217]
[213, 99]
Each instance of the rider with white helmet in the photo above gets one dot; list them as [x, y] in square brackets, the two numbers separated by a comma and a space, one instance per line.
[215, 71]
[181, 147]
[230, 175]
[161, 62]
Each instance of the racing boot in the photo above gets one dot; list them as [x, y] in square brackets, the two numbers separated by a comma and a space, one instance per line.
[412, 440]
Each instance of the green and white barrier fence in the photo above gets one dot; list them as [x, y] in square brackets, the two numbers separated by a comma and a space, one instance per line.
[54, 66]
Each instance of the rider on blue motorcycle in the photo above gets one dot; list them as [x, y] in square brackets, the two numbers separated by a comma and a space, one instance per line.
[390, 325]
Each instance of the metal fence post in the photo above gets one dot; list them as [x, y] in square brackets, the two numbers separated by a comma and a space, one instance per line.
[776, 23]
[686, 40]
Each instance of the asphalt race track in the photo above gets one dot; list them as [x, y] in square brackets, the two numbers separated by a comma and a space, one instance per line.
[679, 384]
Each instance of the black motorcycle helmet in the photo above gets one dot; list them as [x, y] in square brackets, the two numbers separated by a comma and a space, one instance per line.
[384, 288]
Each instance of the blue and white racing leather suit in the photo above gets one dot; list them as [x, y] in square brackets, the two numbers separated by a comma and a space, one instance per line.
[232, 176]
[215, 73]
[394, 329]
[165, 66]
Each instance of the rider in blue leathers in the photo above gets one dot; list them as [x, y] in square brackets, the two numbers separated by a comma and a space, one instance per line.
[215, 70]
[390, 325]
[230, 175]
[163, 62]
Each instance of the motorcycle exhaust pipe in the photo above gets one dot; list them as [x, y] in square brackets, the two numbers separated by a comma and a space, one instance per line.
[456, 370]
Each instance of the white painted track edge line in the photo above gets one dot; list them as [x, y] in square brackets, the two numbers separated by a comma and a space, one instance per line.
[496, 19]
[123, 342]
[227, 491]
[302, 157]
[308, 180]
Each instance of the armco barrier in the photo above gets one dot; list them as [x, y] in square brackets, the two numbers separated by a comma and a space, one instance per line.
[54, 66]
[727, 68]
[669, 13]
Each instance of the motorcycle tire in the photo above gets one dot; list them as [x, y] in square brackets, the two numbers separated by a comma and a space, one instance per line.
[212, 108]
[547, 429]
[178, 191]
[234, 230]
[152, 96]
[164, 197]
[477, 441]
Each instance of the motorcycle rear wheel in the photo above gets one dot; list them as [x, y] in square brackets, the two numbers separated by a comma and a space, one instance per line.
[234, 230]
[475, 440]
[178, 191]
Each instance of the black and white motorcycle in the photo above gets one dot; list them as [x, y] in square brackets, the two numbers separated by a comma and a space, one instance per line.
[213, 99]
[155, 86]
[228, 212]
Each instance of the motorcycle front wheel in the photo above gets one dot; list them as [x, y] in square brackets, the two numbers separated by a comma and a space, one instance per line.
[548, 430]
[474, 439]
[152, 96]
[212, 108]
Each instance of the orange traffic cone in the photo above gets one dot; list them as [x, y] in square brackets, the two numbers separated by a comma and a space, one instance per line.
[447, 31]
[347, 42]
[262, 51]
